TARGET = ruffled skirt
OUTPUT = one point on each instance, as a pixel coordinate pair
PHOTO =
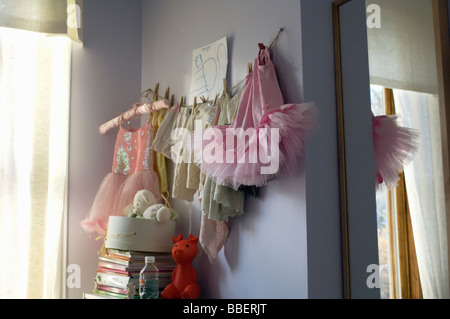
(115, 192)
(251, 157)
(394, 147)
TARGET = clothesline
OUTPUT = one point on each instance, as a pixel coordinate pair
(160, 102)
(249, 69)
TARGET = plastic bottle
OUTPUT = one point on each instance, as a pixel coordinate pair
(149, 280)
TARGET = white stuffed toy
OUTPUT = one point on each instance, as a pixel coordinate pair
(145, 206)
(142, 200)
(158, 212)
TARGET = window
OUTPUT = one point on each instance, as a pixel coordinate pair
(411, 217)
(34, 118)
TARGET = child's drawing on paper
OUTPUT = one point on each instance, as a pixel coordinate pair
(209, 68)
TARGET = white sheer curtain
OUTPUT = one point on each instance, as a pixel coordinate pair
(424, 185)
(34, 117)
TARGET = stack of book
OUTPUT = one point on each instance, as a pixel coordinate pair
(118, 272)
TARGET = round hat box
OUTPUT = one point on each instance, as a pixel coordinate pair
(139, 234)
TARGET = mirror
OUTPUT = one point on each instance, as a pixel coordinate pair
(371, 52)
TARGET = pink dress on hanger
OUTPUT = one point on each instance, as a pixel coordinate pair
(269, 136)
(132, 170)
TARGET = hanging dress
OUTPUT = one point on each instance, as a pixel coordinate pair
(219, 202)
(394, 146)
(187, 176)
(157, 118)
(163, 141)
(266, 138)
(132, 170)
(174, 143)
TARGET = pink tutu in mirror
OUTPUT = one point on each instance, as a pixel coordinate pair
(394, 146)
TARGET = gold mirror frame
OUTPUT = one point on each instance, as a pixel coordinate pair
(442, 40)
(341, 144)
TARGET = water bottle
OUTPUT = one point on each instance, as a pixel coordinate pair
(148, 280)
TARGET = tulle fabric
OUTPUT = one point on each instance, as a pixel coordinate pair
(133, 183)
(394, 146)
(115, 192)
(103, 202)
(132, 170)
(266, 138)
(252, 157)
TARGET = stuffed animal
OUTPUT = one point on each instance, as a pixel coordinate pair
(158, 212)
(142, 200)
(145, 206)
(184, 277)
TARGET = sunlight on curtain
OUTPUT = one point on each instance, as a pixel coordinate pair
(34, 120)
(426, 191)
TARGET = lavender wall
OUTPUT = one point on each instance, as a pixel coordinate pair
(287, 245)
(322, 174)
(265, 256)
(106, 77)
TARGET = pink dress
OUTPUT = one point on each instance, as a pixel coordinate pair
(266, 138)
(132, 170)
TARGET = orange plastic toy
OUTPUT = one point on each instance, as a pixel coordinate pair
(184, 277)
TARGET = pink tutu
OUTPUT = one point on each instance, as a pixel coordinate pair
(394, 147)
(265, 139)
(132, 170)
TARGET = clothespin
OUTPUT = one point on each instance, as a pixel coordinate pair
(195, 104)
(203, 99)
(215, 99)
(249, 67)
(166, 95)
(181, 104)
(225, 85)
(155, 92)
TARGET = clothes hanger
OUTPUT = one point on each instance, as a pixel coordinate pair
(137, 109)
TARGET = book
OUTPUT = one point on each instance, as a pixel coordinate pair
(98, 292)
(123, 262)
(137, 255)
(126, 267)
(118, 271)
(118, 266)
(115, 279)
(115, 290)
(95, 294)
